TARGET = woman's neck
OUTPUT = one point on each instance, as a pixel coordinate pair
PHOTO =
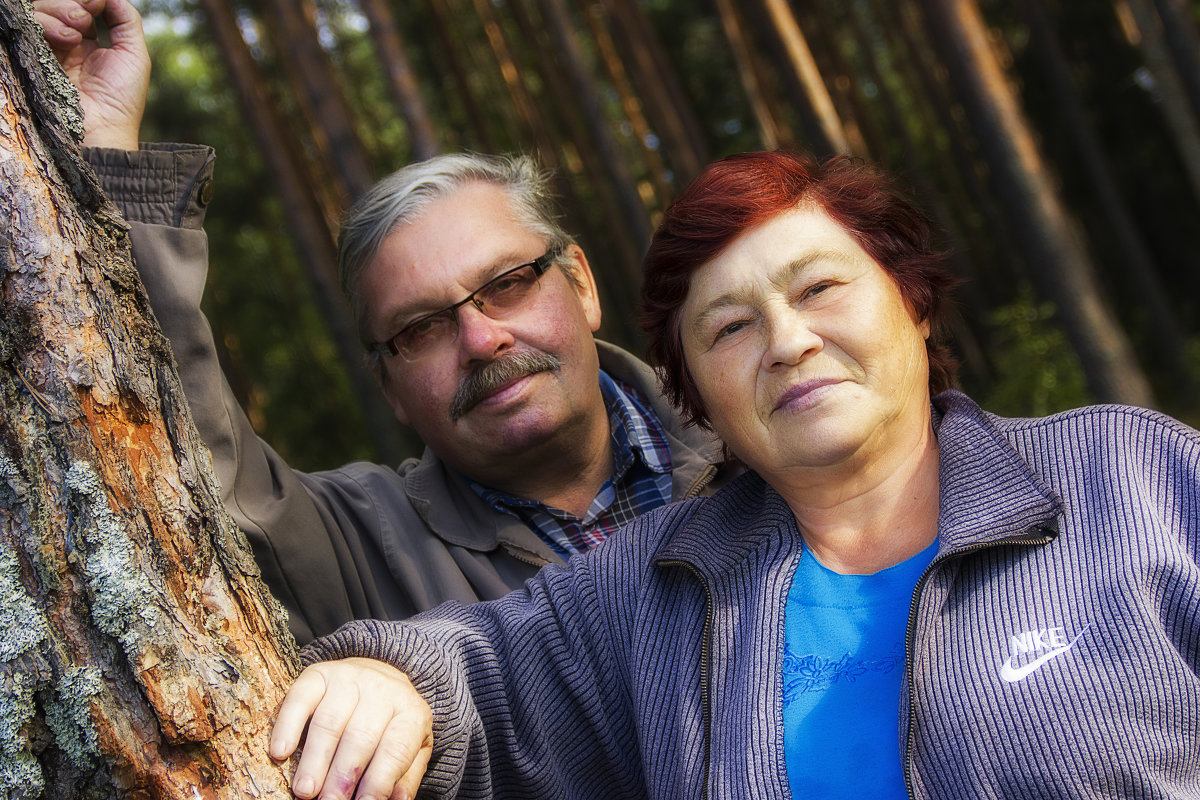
(860, 519)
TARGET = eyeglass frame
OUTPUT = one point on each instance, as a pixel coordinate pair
(540, 266)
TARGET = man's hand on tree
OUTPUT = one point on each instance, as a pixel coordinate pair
(112, 81)
(367, 726)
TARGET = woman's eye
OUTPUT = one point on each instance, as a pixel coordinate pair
(816, 289)
(730, 329)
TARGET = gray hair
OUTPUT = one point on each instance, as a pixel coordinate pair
(403, 195)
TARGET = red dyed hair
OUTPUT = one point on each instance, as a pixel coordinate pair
(735, 194)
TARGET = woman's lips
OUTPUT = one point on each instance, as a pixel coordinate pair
(804, 395)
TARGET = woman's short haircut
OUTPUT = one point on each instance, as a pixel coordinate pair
(735, 194)
(404, 195)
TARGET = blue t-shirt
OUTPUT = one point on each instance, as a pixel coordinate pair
(843, 664)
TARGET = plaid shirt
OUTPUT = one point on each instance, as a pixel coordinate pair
(640, 481)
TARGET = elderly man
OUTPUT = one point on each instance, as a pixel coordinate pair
(479, 312)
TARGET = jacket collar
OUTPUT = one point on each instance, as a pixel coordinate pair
(988, 493)
(456, 514)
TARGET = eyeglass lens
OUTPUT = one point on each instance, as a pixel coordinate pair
(502, 294)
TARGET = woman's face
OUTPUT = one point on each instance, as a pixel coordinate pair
(803, 350)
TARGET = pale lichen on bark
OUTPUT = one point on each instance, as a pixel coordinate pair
(121, 595)
(69, 715)
(23, 630)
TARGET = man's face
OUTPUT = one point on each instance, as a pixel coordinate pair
(458, 243)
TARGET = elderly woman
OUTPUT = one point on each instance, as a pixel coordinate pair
(904, 596)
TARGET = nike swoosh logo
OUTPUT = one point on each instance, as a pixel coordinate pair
(1013, 674)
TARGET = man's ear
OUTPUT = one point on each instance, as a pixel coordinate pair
(584, 284)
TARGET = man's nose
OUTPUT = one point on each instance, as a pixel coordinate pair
(479, 336)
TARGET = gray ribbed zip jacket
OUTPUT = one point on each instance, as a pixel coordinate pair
(1054, 642)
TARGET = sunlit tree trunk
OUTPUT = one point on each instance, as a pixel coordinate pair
(1059, 263)
(630, 103)
(769, 127)
(292, 28)
(309, 225)
(614, 164)
(1139, 274)
(666, 104)
(805, 69)
(401, 80)
(140, 656)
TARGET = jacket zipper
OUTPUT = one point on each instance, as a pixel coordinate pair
(910, 635)
(703, 480)
(705, 659)
(524, 556)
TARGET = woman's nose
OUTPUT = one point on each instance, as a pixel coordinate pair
(790, 339)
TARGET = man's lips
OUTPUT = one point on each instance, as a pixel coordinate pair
(804, 395)
(497, 391)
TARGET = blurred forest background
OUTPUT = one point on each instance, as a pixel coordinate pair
(1057, 144)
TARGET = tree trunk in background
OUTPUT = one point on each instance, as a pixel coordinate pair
(1184, 43)
(631, 104)
(612, 162)
(805, 70)
(896, 130)
(770, 131)
(309, 227)
(666, 103)
(292, 27)
(461, 88)
(1140, 275)
(992, 242)
(1172, 94)
(142, 657)
(1058, 261)
(401, 80)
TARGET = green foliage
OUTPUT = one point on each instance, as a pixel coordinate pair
(1037, 373)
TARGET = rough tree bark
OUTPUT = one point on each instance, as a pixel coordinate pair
(140, 656)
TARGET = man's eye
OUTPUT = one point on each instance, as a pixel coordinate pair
(422, 329)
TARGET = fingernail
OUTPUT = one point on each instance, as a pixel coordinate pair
(305, 786)
(78, 13)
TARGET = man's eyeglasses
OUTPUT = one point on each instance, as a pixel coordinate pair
(497, 298)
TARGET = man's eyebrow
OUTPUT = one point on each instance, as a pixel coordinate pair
(779, 280)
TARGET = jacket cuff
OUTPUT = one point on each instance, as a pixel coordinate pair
(161, 184)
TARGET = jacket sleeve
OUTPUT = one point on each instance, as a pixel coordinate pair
(163, 192)
(530, 693)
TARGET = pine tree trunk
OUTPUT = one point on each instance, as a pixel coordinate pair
(141, 656)
(1059, 263)
(311, 227)
(401, 79)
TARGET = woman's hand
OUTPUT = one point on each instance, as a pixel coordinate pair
(112, 81)
(367, 726)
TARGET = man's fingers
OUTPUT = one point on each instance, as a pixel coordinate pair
(65, 21)
(124, 24)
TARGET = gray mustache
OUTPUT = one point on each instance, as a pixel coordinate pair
(484, 380)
